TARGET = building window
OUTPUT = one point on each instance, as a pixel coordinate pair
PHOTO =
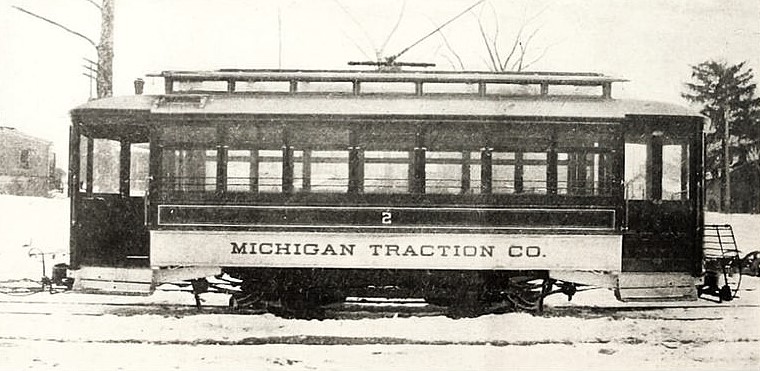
(24, 159)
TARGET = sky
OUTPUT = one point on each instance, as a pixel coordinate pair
(652, 43)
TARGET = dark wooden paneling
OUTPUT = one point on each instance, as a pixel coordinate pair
(661, 237)
(109, 231)
(254, 216)
(657, 253)
(660, 217)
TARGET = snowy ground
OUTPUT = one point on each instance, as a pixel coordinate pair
(64, 334)
(75, 331)
(36, 224)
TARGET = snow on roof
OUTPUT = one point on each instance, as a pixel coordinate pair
(371, 93)
(382, 105)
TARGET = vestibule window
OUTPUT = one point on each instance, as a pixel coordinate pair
(138, 169)
(656, 167)
(106, 154)
(675, 172)
(85, 162)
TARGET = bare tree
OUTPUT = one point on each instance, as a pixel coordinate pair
(104, 49)
(460, 63)
(379, 52)
(391, 63)
(514, 55)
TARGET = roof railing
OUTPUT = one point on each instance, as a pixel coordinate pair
(376, 82)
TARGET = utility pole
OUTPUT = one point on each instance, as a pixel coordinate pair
(105, 51)
(104, 73)
(726, 183)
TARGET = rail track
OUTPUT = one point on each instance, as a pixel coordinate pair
(353, 308)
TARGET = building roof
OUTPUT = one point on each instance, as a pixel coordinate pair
(13, 132)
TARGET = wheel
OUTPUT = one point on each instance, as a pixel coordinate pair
(234, 304)
(440, 301)
(298, 305)
(751, 264)
(726, 294)
(240, 301)
(527, 301)
(463, 301)
(527, 294)
(467, 308)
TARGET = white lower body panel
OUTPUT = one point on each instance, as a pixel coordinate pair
(386, 250)
(109, 280)
(656, 286)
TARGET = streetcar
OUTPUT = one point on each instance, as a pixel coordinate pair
(467, 189)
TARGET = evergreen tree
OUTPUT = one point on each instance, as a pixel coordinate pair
(727, 95)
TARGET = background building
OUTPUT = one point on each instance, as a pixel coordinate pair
(745, 189)
(27, 164)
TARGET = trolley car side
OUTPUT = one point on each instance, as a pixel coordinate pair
(446, 188)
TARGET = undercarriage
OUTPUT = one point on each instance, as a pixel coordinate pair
(304, 292)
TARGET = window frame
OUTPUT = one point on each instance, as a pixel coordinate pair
(655, 136)
(481, 140)
(25, 159)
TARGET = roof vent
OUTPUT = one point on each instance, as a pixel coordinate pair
(139, 85)
(168, 101)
